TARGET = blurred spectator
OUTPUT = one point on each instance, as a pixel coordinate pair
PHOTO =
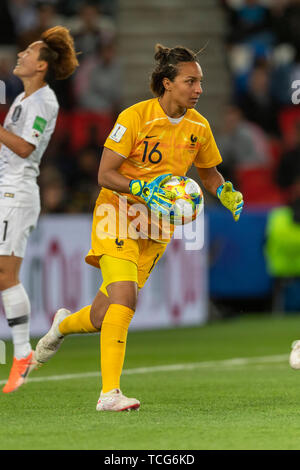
(257, 102)
(64, 91)
(250, 40)
(295, 202)
(53, 191)
(109, 7)
(52, 197)
(74, 176)
(72, 7)
(24, 15)
(285, 63)
(93, 142)
(97, 83)
(46, 18)
(286, 22)
(60, 155)
(241, 144)
(288, 169)
(282, 252)
(85, 187)
(7, 30)
(251, 23)
(92, 27)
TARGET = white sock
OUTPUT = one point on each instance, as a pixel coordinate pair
(17, 310)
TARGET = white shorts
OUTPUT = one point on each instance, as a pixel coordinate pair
(16, 223)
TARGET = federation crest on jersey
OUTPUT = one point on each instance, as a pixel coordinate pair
(193, 140)
(17, 113)
(36, 134)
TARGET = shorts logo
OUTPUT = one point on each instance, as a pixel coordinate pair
(154, 261)
(16, 113)
(119, 243)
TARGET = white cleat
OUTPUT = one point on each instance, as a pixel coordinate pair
(50, 343)
(116, 401)
(295, 355)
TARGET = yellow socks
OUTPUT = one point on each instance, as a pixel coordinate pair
(113, 344)
(113, 339)
(78, 322)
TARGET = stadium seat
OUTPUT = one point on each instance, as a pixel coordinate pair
(83, 127)
(257, 186)
(85, 123)
(287, 119)
(275, 147)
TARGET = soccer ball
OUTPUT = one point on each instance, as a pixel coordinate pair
(188, 200)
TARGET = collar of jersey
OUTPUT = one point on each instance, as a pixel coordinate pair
(22, 98)
(173, 121)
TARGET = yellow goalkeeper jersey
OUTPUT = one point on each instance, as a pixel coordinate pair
(152, 144)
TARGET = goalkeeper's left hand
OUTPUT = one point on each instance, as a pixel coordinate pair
(231, 199)
(156, 198)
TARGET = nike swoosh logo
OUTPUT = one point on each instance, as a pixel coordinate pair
(150, 136)
(121, 341)
(24, 375)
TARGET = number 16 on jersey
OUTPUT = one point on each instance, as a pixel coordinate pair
(154, 155)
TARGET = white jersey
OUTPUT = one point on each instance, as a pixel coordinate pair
(32, 118)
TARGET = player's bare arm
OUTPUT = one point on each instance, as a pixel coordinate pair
(108, 175)
(211, 179)
(15, 143)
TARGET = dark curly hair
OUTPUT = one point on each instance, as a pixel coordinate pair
(167, 67)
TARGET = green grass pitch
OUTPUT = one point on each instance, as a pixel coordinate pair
(201, 400)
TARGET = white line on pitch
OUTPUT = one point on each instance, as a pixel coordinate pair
(238, 361)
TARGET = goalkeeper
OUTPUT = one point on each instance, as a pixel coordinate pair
(151, 141)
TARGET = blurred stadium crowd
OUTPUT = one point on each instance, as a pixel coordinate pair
(260, 138)
(260, 141)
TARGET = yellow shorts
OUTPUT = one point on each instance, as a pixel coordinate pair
(145, 253)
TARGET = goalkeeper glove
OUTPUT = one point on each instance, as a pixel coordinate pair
(231, 199)
(156, 198)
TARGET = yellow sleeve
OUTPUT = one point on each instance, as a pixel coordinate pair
(123, 136)
(208, 155)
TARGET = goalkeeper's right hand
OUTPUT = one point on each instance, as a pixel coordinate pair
(156, 198)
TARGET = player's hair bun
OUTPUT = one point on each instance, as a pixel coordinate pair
(162, 53)
(59, 52)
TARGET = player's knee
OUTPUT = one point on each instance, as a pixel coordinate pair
(98, 309)
(124, 293)
(129, 301)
